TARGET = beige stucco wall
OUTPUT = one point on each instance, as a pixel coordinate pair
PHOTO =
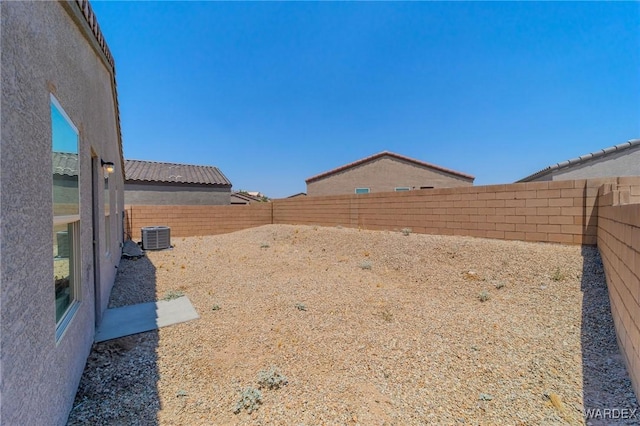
(384, 175)
(175, 194)
(44, 51)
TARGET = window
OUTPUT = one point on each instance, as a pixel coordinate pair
(66, 216)
(402, 188)
(426, 187)
(362, 190)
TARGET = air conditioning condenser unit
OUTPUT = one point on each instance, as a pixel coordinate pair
(156, 237)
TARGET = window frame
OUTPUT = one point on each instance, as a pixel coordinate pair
(402, 188)
(368, 190)
(73, 228)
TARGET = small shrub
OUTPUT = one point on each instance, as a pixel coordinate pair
(301, 307)
(271, 379)
(339, 226)
(215, 307)
(387, 315)
(365, 264)
(264, 245)
(454, 251)
(173, 294)
(406, 231)
(556, 401)
(557, 275)
(181, 393)
(471, 276)
(500, 284)
(483, 296)
(250, 399)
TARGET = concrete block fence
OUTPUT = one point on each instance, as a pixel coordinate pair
(560, 212)
(188, 221)
(619, 246)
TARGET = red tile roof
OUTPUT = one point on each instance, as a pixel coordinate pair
(151, 171)
(392, 155)
(92, 21)
(65, 163)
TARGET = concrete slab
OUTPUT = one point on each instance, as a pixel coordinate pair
(133, 319)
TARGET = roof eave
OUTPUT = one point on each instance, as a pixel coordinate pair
(82, 12)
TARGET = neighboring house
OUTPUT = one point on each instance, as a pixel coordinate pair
(299, 194)
(61, 192)
(385, 172)
(154, 183)
(242, 198)
(619, 160)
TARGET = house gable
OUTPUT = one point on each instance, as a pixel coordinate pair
(390, 155)
(385, 172)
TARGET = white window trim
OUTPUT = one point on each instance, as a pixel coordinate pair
(62, 325)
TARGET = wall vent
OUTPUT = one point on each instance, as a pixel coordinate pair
(156, 237)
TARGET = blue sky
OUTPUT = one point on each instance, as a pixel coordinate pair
(64, 138)
(273, 93)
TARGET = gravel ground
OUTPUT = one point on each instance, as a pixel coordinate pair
(371, 328)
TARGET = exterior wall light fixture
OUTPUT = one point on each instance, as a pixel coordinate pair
(108, 166)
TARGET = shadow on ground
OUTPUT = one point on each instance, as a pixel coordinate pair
(119, 385)
(606, 383)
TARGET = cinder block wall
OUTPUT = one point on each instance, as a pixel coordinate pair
(557, 211)
(619, 245)
(187, 221)
(561, 211)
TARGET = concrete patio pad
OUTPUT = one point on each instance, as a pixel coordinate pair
(133, 319)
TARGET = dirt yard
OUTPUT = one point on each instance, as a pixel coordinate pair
(370, 328)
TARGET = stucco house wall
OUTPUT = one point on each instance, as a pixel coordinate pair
(49, 49)
(143, 193)
(384, 174)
